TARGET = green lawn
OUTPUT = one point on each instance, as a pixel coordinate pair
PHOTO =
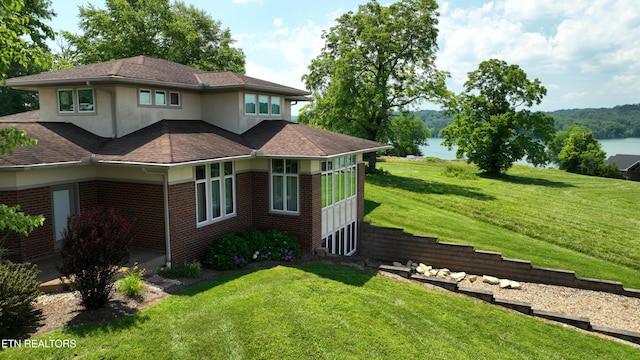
(322, 311)
(554, 219)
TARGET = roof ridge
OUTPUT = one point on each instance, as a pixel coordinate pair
(115, 68)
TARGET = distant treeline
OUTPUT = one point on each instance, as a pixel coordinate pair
(606, 123)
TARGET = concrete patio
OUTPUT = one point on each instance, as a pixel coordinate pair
(50, 277)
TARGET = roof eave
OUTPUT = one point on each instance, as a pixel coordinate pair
(111, 79)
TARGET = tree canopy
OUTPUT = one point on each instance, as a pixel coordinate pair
(576, 150)
(23, 34)
(158, 28)
(492, 125)
(375, 64)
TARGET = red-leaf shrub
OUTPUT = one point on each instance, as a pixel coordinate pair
(95, 244)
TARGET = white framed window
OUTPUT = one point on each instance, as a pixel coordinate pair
(144, 97)
(262, 105)
(65, 101)
(215, 192)
(339, 179)
(275, 105)
(174, 98)
(72, 101)
(263, 101)
(250, 104)
(86, 100)
(160, 98)
(285, 193)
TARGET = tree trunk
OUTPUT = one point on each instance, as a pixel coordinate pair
(372, 160)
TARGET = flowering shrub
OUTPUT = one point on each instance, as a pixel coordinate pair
(236, 250)
(131, 284)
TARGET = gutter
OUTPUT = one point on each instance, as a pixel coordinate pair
(167, 227)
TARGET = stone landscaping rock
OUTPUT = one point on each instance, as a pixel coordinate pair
(504, 283)
(458, 276)
(515, 285)
(422, 268)
(490, 280)
(509, 284)
(432, 272)
(395, 263)
(473, 278)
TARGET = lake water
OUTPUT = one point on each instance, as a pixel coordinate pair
(610, 146)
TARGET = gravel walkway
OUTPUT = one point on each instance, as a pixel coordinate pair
(601, 308)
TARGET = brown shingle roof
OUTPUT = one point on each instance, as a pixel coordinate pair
(145, 69)
(177, 142)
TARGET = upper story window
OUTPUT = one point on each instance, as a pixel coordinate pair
(284, 186)
(262, 105)
(215, 192)
(159, 98)
(83, 97)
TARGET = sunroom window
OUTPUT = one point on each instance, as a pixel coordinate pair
(85, 100)
(65, 100)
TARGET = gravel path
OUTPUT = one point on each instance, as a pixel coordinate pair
(601, 308)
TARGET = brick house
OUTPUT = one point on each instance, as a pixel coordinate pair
(188, 155)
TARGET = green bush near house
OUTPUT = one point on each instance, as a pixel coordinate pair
(18, 290)
(131, 284)
(237, 250)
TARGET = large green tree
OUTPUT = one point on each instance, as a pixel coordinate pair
(13, 101)
(407, 133)
(375, 64)
(493, 126)
(23, 34)
(158, 28)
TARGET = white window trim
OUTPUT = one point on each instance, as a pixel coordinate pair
(140, 98)
(209, 219)
(346, 164)
(285, 175)
(179, 104)
(257, 102)
(76, 101)
(167, 98)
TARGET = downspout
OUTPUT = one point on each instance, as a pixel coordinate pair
(167, 228)
(114, 123)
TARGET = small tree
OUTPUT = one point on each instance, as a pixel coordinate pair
(95, 244)
(18, 289)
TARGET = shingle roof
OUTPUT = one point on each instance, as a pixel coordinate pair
(171, 142)
(624, 161)
(145, 69)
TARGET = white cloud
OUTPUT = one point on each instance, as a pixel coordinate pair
(277, 22)
(599, 39)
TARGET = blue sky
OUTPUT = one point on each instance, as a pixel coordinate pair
(586, 53)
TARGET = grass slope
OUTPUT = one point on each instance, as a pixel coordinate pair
(552, 218)
(324, 312)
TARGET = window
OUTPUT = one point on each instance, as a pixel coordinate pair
(249, 104)
(144, 97)
(339, 180)
(65, 100)
(68, 98)
(215, 192)
(284, 185)
(174, 98)
(85, 100)
(161, 98)
(264, 104)
(275, 105)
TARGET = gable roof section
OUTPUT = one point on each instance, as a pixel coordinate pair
(625, 162)
(148, 70)
(176, 142)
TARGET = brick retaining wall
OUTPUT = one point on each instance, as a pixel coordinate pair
(389, 244)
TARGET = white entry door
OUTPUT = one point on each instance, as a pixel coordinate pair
(64, 204)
